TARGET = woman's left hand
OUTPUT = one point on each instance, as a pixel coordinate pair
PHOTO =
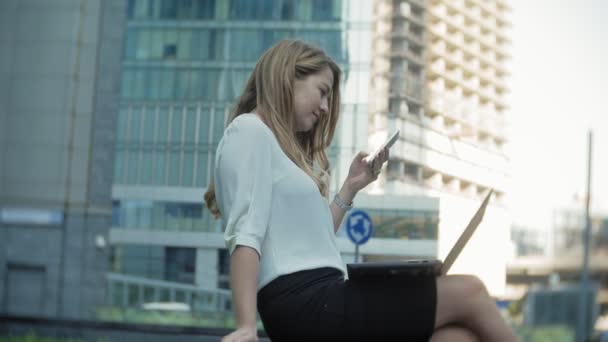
(360, 174)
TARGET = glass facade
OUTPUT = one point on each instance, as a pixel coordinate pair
(205, 50)
(144, 261)
(184, 65)
(403, 224)
(162, 216)
(167, 144)
(185, 62)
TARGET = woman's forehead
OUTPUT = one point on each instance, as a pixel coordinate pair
(326, 76)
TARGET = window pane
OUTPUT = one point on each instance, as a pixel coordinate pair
(203, 135)
(163, 125)
(330, 41)
(154, 9)
(130, 213)
(190, 125)
(184, 44)
(210, 85)
(174, 167)
(197, 220)
(161, 147)
(180, 264)
(146, 167)
(158, 216)
(144, 214)
(198, 49)
(188, 168)
(245, 45)
(205, 9)
(153, 85)
(168, 9)
(132, 166)
(159, 167)
(172, 214)
(131, 43)
(201, 170)
(326, 10)
(143, 44)
(273, 36)
(217, 45)
(241, 9)
(287, 9)
(303, 10)
(156, 44)
(127, 84)
(119, 166)
(134, 125)
(182, 84)
(218, 122)
(130, 9)
(238, 78)
(139, 84)
(176, 125)
(121, 134)
(166, 84)
(140, 8)
(195, 90)
(170, 44)
(149, 117)
(185, 9)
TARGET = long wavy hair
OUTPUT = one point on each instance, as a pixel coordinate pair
(270, 91)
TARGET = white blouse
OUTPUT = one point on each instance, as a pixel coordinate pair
(270, 204)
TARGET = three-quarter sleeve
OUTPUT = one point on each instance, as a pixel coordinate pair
(243, 181)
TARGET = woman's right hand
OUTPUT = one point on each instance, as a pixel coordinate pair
(243, 334)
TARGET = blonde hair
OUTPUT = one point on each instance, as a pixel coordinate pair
(270, 91)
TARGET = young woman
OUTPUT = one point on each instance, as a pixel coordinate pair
(271, 188)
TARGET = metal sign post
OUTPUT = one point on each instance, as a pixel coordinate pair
(583, 308)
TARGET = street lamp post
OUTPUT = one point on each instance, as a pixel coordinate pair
(583, 310)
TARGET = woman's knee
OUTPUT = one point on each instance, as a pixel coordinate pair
(462, 287)
(473, 287)
(459, 297)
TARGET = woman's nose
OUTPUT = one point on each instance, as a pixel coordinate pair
(324, 105)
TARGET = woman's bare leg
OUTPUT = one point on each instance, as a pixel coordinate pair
(464, 300)
(453, 333)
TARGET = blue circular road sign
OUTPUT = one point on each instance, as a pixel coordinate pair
(359, 227)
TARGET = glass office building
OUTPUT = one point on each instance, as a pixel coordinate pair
(185, 63)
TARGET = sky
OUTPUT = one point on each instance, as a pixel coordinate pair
(559, 68)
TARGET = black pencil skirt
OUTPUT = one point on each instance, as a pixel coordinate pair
(320, 305)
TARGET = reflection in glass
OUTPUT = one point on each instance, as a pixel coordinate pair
(158, 215)
(400, 224)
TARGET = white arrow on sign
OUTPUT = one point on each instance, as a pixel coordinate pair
(359, 234)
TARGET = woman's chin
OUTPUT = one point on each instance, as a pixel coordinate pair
(307, 127)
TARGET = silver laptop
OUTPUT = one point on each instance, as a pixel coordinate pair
(419, 267)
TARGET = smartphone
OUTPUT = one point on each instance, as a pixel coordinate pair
(387, 144)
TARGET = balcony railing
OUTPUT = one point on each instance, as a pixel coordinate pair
(132, 291)
(407, 53)
(467, 113)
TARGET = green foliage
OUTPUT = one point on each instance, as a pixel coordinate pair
(31, 337)
(554, 333)
(513, 314)
(133, 315)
